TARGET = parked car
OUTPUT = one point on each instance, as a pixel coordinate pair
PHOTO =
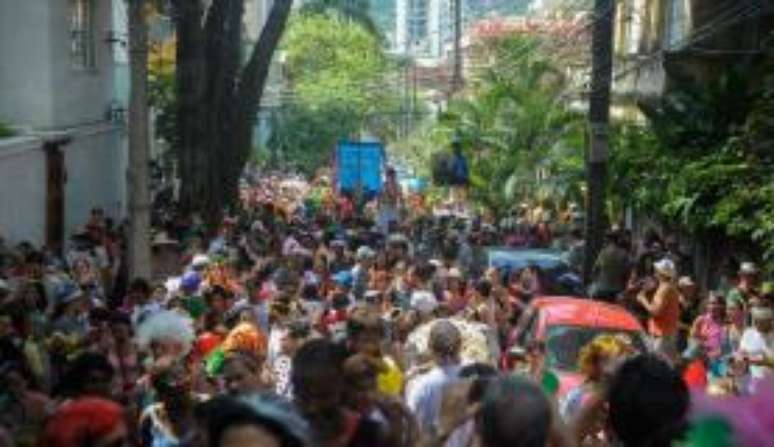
(555, 275)
(566, 324)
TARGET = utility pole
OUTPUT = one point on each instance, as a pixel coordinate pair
(599, 118)
(406, 101)
(457, 75)
(414, 87)
(139, 141)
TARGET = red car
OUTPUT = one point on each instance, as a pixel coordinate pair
(567, 324)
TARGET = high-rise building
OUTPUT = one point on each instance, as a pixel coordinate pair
(424, 28)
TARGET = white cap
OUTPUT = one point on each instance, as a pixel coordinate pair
(665, 267)
(200, 261)
(685, 281)
(162, 238)
(748, 268)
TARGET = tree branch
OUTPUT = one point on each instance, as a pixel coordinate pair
(255, 73)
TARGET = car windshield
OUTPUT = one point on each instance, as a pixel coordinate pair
(563, 343)
(556, 278)
(553, 282)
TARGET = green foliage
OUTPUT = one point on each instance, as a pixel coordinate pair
(334, 60)
(336, 70)
(305, 137)
(6, 131)
(163, 97)
(694, 116)
(637, 172)
(351, 11)
(705, 161)
(420, 147)
(515, 125)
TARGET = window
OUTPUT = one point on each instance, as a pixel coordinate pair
(564, 343)
(417, 20)
(82, 48)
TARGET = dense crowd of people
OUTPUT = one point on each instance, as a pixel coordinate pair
(312, 318)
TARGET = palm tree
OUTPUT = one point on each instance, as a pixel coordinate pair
(512, 122)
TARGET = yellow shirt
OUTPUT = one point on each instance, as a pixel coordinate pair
(390, 381)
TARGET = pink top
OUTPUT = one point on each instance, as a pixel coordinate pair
(711, 335)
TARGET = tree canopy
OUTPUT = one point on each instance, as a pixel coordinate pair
(337, 71)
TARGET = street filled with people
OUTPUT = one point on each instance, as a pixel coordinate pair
(313, 317)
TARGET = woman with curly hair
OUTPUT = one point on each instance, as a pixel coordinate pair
(594, 363)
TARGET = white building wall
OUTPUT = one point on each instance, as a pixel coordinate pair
(90, 181)
(22, 190)
(81, 97)
(92, 175)
(438, 32)
(434, 27)
(41, 91)
(401, 26)
(256, 15)
(25, 78)
(38, 84)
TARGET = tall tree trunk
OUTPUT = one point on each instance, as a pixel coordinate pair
(224, 58)
(190, 82)
(251, 87)
(139, 192)
(218, 103)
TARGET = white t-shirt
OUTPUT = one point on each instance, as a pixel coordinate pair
(423, 301)
(276, 334)
(424, 395)
(101, 257)
(289, 246)
(756, 344)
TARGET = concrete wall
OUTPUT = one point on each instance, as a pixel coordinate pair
(40, 91)
(93, 177)
(401, 26)
(92, 180)
(25, 77)
(39, 88)
(256, 15)
(22, 189)
(80, 97)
